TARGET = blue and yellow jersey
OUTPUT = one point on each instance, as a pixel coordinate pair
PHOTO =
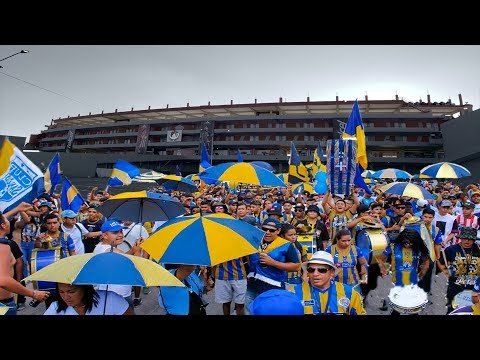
(286, 218)
(82, 216)
(280, 250)
(295, 277)
(263, 216)
(404, 264)
(231, 270)
(338, 222)
(337, 299)
(29, 232)
(347, 273)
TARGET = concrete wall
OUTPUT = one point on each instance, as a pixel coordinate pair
(462, 143)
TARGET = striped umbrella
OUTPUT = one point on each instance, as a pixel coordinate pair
(264, 165)
(368, 174)
(407, 189)
(179, 183)
(391, 173)
(203, 240)
(283, 177)
(420, 176)
(242, 172)
(445, 170)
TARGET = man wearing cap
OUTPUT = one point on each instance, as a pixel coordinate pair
(76, 231)
(421, 204)
(44, 208)
(313, 224)
(276, 212)
(94, 225)
(467, 218)
(461, 264)
(112, 236)
(321, 295)
(269, 267)
(299, 210)
(446, 222)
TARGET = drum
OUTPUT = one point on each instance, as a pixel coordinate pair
(462, 299)
(40, 259)
(341, 165)
(409, 299)
(372, 242)
(308, 241)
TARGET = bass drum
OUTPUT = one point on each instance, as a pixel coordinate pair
(372, 242)
(308, 241)
(40, 259)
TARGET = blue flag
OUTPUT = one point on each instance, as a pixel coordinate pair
(355, 129)
(177, 171)
(204, 159)
(239, 154)
(122, 174)
(297, 172)
(52, 175)
(20, 179)
(71, 198)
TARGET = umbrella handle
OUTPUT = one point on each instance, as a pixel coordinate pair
(105, 303)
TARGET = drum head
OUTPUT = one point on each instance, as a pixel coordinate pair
(462, 299)
(409, 299)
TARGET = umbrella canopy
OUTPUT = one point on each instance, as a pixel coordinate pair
(367, 173)
(283, 177)
(109, 268)
(407, 189)
(192, 177)
(301, 187)
(141, 206)
(420, 176)
(203, 240)
(179, 183)
(391, 173)
(264, 165)
(242, 172)
(445, 170)
(149, 175)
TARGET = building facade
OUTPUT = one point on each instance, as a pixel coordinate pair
(399, 134)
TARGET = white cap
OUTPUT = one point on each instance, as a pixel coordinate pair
(422, 203)
(322, 257)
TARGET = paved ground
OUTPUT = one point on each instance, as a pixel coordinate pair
(150, 304)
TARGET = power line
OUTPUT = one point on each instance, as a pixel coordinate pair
(53, 92)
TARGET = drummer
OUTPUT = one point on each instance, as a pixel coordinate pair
(321, 295)
(408, 258)
(461, 264)
(313, 224)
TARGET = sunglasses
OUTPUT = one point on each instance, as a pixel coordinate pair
(401, 207)
(269, 230)
(299, 210)
(311, 270)
(406, 242)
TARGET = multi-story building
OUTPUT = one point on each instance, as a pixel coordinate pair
(399, 134)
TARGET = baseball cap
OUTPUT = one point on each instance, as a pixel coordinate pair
(69, 214)
(321, 257)
(275, 210)
(272, 222)
(422, 203)
(445, 203)
(112, 225)
(277, 302)
(468, 204)
(46, 203)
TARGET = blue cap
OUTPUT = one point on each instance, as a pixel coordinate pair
(270, 221)
(69, 214)
(112, 225)
(276, 302)
(192, 204)
(46, 203)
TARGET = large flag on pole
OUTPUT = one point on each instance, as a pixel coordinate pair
(204, 159)
(355, 130)
(71, 198)
(52, 175)
(123, 173)
(239, 156)
(20, 179)
(297, 172)
(317, 161)
(177, 171)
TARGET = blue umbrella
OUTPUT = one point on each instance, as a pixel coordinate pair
(445, 170)
(407, 189)
(264, 165)
(179, 183)
(390, 173)
(243, 172)
(141, 206)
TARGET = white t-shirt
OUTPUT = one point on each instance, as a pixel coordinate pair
(444, 223)
(116, 305)
(76, 236)
(133, 232)
(123, 290)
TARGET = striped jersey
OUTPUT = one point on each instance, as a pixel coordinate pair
(347, 263)
(337, 299)
(29, 232)
(338, 222)
(231, 270)
(295, 277)
(404, 264)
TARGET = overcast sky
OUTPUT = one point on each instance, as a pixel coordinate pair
(96, 78)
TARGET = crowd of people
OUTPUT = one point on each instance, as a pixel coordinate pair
(311, 251)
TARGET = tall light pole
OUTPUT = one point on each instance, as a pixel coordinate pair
(20, 52)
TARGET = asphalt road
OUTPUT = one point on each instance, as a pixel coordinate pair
(150, 305)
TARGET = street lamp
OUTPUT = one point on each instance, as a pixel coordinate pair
(20, 52)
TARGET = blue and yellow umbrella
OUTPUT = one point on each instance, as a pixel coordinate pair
(283, 177)
(407, 189)
(141, 206)
(242, 172)
(445, 170)
(179, 183)
(390, 173)
(109, 268)
(203, 240)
